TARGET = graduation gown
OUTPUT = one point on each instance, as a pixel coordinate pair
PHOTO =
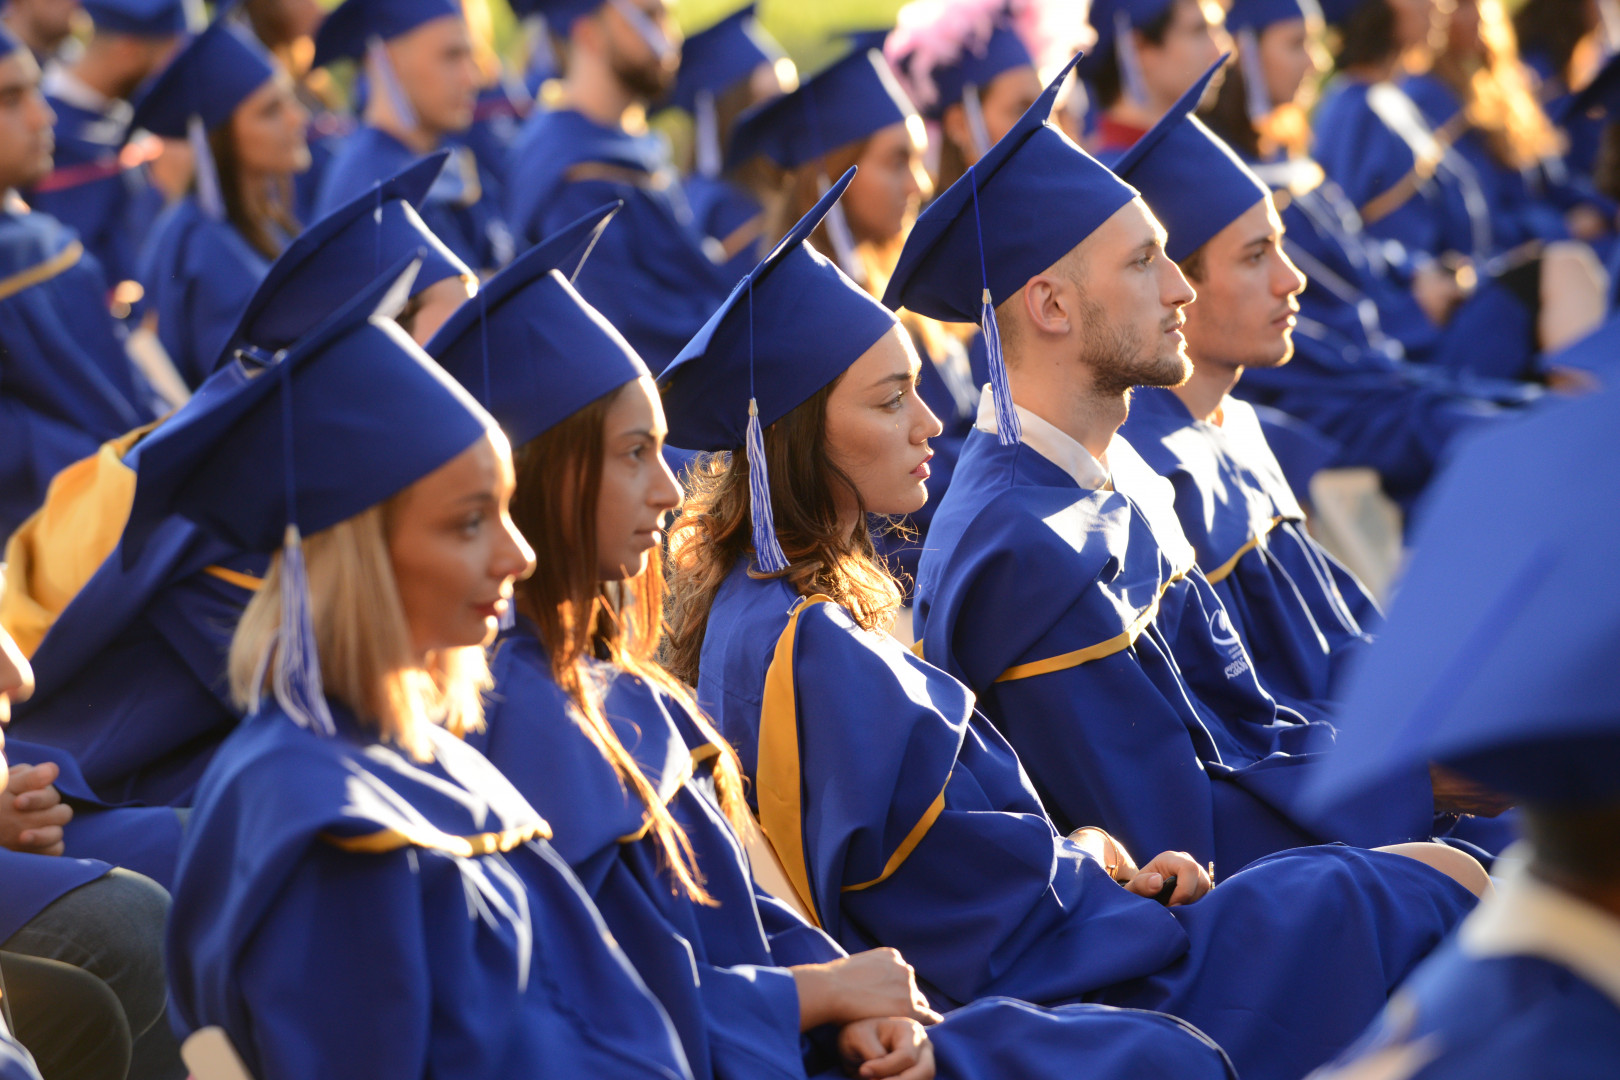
(721, 971)
(1302, 616)
(16, 1063)
(343, 911)
(462, 209)
(1527, 988)
(654, 275)
(199, 275)
(1108, 661)
(66, 384)
(903, 819)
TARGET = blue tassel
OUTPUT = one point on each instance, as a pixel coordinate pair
(297, 678)
(767, 551)
(209, 198)
(1130, 64)
(1008, 430)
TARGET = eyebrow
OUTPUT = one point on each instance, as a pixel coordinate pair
(1269, 238)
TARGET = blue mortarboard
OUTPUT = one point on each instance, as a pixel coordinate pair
(1256, 15)
(559, 14)
(137, 18)
(1113, 20)
(1338, 12)
(343, 253)
(1498, 657)
(1603, 92)
(996, 48)
(529, 346)
(725, 53)
(344, 34)
(843, 104)
(1191, 180)
(207, 79)
(343, 447)
(791, 326)
(1017, 210)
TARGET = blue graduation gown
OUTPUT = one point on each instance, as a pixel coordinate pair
(651, 274)
(463, 209)
(15, 1062)
(110, 204)
(1526, 998)
(343, 911)
(904, 819)
(730, 214)
(130, 679)
(1104, 656)
(1301, 614)
(66, 384)
(32, 882)
(199, 275)
(721, 971)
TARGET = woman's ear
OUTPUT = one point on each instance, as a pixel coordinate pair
(954, 124)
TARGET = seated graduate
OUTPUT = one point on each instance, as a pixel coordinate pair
(727, 68)
(422, 85)
(1411, 185)
(1300, 614)
(361, 893)
(66, 384)
(80, 942)
(653, 831)
(656, 276)
(210, 250)
(1370, 368)
(96, 187)
(132, 671)
(901, 816)
(1496, 661)
(1058, 583)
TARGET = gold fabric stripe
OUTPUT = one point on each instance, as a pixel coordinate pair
(1118, 643)
(235, 577)
(386, 840)
(909, 844)
(778, 769)
(1221, 571)
(23, 279)
(704, 753)
(917, 649)
(686, 774)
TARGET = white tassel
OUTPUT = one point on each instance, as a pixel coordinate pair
(1256, 98)
(1008, 429)
(843, 241)
(767, 551)
(208, 193)
(387, 84)
(297, 676)
(977, 129)
(706, 135)
(1130, 65)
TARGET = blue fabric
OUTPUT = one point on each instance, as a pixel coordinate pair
(208, 78)
(1170, 743)
(462, 208)
(111, 207)
(15, 1062)
(1302, 616)
(139, 18)
(199, 275)
(321, 962)
(717, 56)
(343, 34)
(720, 971)
(993, 901)
(1510, 1017)
(34, 881)
(841, 105)
(66, 385)
(975, 67)
(722, 210)
(652, 275)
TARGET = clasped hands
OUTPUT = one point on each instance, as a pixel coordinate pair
(1192, 880)
(873, 996)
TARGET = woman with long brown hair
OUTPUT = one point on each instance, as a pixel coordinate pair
(900, 814)
(209, 251)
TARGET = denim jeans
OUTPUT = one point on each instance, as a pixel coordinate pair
(113, 928)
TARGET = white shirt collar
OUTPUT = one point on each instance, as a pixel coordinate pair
(1052, 444)
(1528, 917)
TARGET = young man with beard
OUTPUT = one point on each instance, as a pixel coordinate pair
(654, 275)
(422, 84)
(1058, 583)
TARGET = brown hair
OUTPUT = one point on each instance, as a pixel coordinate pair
(1555, 28)
(256, 226)
(1367, 37)
(1495, 93)
(1285, 127)
(559, 475)
(715, 531)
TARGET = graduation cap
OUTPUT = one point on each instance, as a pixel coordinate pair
(1338, 12)
(1114, 20)
(1498, 656)
(197, 92)
(947, 52)
(1017, 210)
(342, 447)
(844, 103)
(791, 326)
(346, 33)
(712, 60)
(1256, 15)
(1191, 180)
(529, 347)
(138, 18)
(559, 14)
(1602, 93)
(342, 253)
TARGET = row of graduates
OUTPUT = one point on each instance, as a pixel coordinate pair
(863, 856)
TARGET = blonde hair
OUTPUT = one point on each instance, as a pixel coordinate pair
(1497, 95)
(362, 640)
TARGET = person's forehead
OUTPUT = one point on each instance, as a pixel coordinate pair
(18, 68)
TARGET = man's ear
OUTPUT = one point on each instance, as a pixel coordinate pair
(1048, 304)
